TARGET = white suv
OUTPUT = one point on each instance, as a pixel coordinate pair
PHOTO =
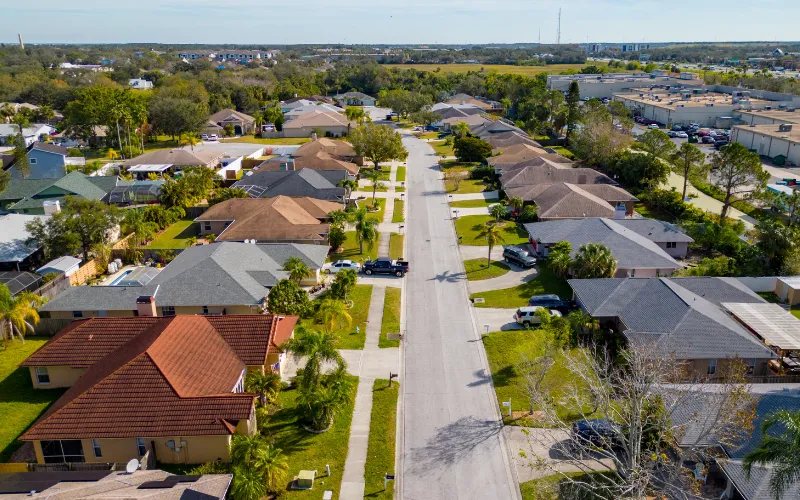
(335, 267)
(527, 316)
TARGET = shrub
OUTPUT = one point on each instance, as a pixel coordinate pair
(482, 173)
(472, 149)
(528, 214)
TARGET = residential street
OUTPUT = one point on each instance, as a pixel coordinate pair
(452, 445)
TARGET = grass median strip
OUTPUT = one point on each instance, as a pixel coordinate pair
(382, 437)
(396, 249)
(397, 215)
(401, 174)
(477, 269)
(391, 317)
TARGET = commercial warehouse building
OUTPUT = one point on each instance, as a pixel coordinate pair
(781, 142)
(606, 85)
(768, 116)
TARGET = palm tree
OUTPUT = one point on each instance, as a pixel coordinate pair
(516, 203)
(265, 384)
(318, 347)
(325, 401)
(297, 269)
(349, 186)
(780, 449)
(497, 211)
(460, 129)
(373, 175)
(560, 263)
(273, 467)
(594, 261)
(188, 139)
(334, 313)
(261, 460)
(18, 314)
(366, 229)
(247, 484)
(354, 114)
(490, 232)
(21, 153)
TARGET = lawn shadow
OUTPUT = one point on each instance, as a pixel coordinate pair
(504, 376)
(190, 231)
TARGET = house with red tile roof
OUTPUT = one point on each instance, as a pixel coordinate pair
(173, 386)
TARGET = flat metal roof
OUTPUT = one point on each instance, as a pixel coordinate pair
(771, 322)
(150, 168)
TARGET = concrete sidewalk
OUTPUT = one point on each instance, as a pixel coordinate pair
(384, 236)
(707, 203)
(486, 195)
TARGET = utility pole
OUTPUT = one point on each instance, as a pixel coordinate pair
(558, 33)
(21, 45)
(540, 36)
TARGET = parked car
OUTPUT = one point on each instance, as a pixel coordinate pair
(707, 139)
(672, 133)
(335, 267)
(442, 135)
(677, 128)
(549, 301)
(518, 256)
(599, 432)
(385, 265)
(213, 137)
(721, 143)
(682, 135)
(527, 316)
(653, 126)
(204, 137)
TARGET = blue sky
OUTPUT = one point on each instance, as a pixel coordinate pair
(397, 21)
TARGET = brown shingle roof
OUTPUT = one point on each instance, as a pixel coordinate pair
(334, 148)
(318, 118)
(324, 161)
(566, 201)
(179, 157)
(519, 153)
(544, 173)
(175, 377)
(273, 219)
(510, 138)
(227, 113)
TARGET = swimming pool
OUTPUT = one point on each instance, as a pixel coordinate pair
(120, 277)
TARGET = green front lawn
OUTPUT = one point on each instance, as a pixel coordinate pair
(278, 141)
(177, 235)
(401, 174)
(397, 215)
(556, 486)
(564, 152)
(350, 250)
(306, 451)
(649, 212)
(505, 350)
(442, 149)
(391, 317)
(381, 202)
(466, 186)
(427, 135)
(473, 203)
(348, 338)
(512, 298)
(478, 270)
(382, 437)
(468, 228)
(396, 245)
(20, 403)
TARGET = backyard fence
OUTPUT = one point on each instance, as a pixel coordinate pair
(48, 327)
(85, 273)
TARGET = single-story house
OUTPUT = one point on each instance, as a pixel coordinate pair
(511, 156)
(171, 386)
(354, 99)
(562, 200)
(667, 236)
(509, 138)
(220, 278)
(681, 317)
(301, 110)
(31, 134)
(242, 123)
(66, 265)
(485, 104)
(140, 84)
(47, 161)
(320, 154)
(451, 110)
(636, 255)
(338, 149)
(275, 220)
(16, 253)
(328, 123)
(171, 160)
(319, 184)
(493, 127)
(471, 120)
(38, 196)
(296, 102)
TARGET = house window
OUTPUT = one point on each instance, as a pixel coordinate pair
(32, 161)
(42, 376)
(672, 244)
(712, 366)
(142, 447)
(77, 314)
(207, 226)
(751, 366)
(205, 309)
(98, 453)
(168, 310)
(57, 452)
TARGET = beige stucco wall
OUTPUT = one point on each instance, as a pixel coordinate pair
(679, 252)
(93, 314)
(699, 367)
(337, 131)
(231, 309)
(216, 227)
(643, 273)
(60, 376)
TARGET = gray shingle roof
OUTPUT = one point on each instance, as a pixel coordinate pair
(655, 230)
(220, 274)
(663, 313)
(13, 237)
(320, 184)
(631, 250)
(756, 487)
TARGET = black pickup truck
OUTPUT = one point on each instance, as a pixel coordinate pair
(385, 265)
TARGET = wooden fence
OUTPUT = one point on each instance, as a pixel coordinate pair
(50, 326)
(85, 273)
(50, 290)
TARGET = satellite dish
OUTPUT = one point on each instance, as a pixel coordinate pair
(132, 466)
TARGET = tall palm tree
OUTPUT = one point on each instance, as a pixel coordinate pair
(334, 313)
(373, 175)
(354, 114)
(460, 129)
(781, 449)
(297, 269)
(265, 384)
(318, 347)
(366, 229)
(18, 314)
(188, 139)
(492, 234)
(594, 261)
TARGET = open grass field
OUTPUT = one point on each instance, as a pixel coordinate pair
(176, 235)
(396, 245)
(391, 317)
(505, 350)
(530, 71)
(306, 451)
(20, 403)
(470, 226)
(382, 437)
(477, 269)
(511, 298)
(350, 250)
(348, 338)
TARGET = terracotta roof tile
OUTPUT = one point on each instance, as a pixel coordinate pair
(283, 332)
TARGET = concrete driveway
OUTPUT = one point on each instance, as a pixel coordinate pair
(497, 319)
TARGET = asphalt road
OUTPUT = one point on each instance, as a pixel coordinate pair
(452, 444)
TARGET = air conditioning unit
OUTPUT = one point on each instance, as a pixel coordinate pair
(785, 127)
